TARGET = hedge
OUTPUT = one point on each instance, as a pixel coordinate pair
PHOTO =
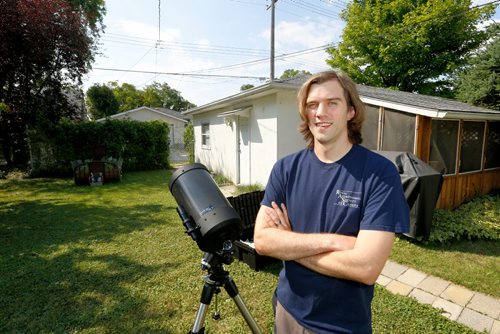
(141, 145)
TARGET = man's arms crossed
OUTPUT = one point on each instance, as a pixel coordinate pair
(359, 259)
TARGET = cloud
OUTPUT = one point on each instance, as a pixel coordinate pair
(143, 30)
(304, 34)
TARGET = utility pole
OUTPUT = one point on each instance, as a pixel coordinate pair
(159, 37)
(271, 71)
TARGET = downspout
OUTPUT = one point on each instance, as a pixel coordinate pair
(237, 136)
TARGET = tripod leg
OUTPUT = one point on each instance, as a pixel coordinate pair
(232, 291)
(206, 297)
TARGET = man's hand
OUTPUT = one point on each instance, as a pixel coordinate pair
(277, 217)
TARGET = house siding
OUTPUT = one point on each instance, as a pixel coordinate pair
(220, 156)
(264, 139)
(289, 138)
(265, 145)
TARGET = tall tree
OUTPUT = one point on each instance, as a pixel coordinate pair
(45, 46)
(479, 84)
(409, 45)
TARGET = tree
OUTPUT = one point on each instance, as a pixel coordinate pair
(162, 95)
(291, 73)
(479, 84)
(46, 46)
(128, 96)
(287, 74)
(101, 101)
(246, 87)
(409, 45)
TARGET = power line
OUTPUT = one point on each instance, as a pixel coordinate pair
(228, 67)
(313, 8)
(183, 74)
(263, 60)
(139, 41)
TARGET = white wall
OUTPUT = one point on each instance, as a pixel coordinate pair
(176, 126)
(270, 139)
(220, 157)
(264, 139)
(289, 138)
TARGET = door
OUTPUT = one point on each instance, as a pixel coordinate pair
(244, 150)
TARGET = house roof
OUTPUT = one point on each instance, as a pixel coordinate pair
(431, 106)
(427, 105)
(241, 99)
(161, 111)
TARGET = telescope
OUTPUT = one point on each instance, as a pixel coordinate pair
(206, 214)
(212, 222)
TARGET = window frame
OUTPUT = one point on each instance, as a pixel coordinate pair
(205, 135)
(488, 126)
(459, 156)
(457, 144)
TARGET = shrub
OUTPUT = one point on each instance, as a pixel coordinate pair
(141, 145)
(242, 189)
(474, 220)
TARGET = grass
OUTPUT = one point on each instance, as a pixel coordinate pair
(116, 259)
(472, 264)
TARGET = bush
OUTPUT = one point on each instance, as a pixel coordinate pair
(242, 189)
(474, 220)
(141, 145)
(189, 141)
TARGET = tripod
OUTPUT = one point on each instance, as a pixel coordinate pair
(216, 278)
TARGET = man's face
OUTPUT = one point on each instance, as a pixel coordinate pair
(328, 113)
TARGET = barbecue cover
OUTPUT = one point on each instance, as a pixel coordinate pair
(421, 184)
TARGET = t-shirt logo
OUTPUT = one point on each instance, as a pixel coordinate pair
(348, 198)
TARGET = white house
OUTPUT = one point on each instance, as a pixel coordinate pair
(175, 120)
(242, 136)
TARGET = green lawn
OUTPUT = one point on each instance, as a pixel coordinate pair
(115, 259)
(472, 264)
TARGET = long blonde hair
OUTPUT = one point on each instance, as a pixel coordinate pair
(351, 96)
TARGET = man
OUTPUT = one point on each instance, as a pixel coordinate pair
(330, 212)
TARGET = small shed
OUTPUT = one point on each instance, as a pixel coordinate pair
(175, 120)
(242, 136)
(457, 139)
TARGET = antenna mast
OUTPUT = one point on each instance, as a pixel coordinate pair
(271, 70)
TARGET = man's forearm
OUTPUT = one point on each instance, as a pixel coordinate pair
(289, 245)
(362, 264)
(273, 237)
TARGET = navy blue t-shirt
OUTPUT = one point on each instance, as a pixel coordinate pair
(361, 191)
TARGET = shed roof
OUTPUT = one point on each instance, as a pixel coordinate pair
(427, 105)
(431, 106)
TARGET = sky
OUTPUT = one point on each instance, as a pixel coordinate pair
(208, 49)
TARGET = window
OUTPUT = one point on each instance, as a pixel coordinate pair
(471, 149)
(370, 127)
(399, 131)
(493, 145)
(205, 135)
(444, 141)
